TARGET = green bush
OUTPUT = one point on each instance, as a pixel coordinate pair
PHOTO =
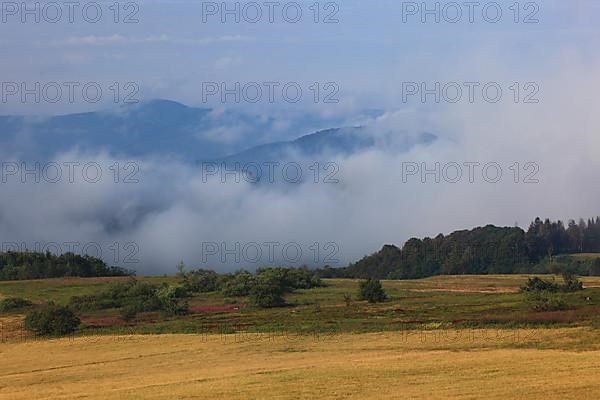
(13, 304)
(545, 301)
(140, 295)
(267, 290)
(128, 313)
(133, 297)
(572, 284)
(51, 320)
(536, 284)
(201, 281)
(294, 278)
(169, 297)
(372, 291)
(238, 284)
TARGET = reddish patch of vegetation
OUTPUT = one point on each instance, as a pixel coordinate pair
(102, 322)
(567, 316)
(148, 317)
(215, 308)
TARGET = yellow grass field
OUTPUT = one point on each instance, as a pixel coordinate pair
(469, 364)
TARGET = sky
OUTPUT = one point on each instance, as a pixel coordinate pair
(170, 48)
(541, 129)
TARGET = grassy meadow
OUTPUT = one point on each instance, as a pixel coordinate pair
(444, 302)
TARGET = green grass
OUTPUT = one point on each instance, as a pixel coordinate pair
(60, 290)
(432, 303)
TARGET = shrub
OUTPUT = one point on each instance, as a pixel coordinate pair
(545, 301)
(169, 297)
(142, 296)
(51, 320)
(128, 313)
(201, 281)
(267, 291)
(294, 278)
(572, 284)
(372, 291)
(134, 295)
(536, 284)
(13, 304)
(240, 284)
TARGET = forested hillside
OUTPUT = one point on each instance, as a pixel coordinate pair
(32, 265)
(485, 250)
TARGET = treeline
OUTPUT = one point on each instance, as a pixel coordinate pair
(484, 250)
(35, 265)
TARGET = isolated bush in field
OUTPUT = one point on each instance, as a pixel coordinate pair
(267, 291)
(371, 290)
(545, 301)
(51, 320)
(13, 304)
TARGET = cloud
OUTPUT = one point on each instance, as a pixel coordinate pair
(226, 62)
(174, 211)
(547, 152)
(118, 39)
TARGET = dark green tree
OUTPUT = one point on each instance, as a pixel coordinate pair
(372, 291)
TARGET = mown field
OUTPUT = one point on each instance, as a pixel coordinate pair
(559, 363)
(438, 338)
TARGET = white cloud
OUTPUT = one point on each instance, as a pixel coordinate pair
(226, 62)
(118, 39)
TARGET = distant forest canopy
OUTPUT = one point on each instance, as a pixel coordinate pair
(485, 250)
(34, 265)
(546, 247)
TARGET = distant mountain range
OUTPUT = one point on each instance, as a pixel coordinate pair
(316, 146)
(162, 127)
